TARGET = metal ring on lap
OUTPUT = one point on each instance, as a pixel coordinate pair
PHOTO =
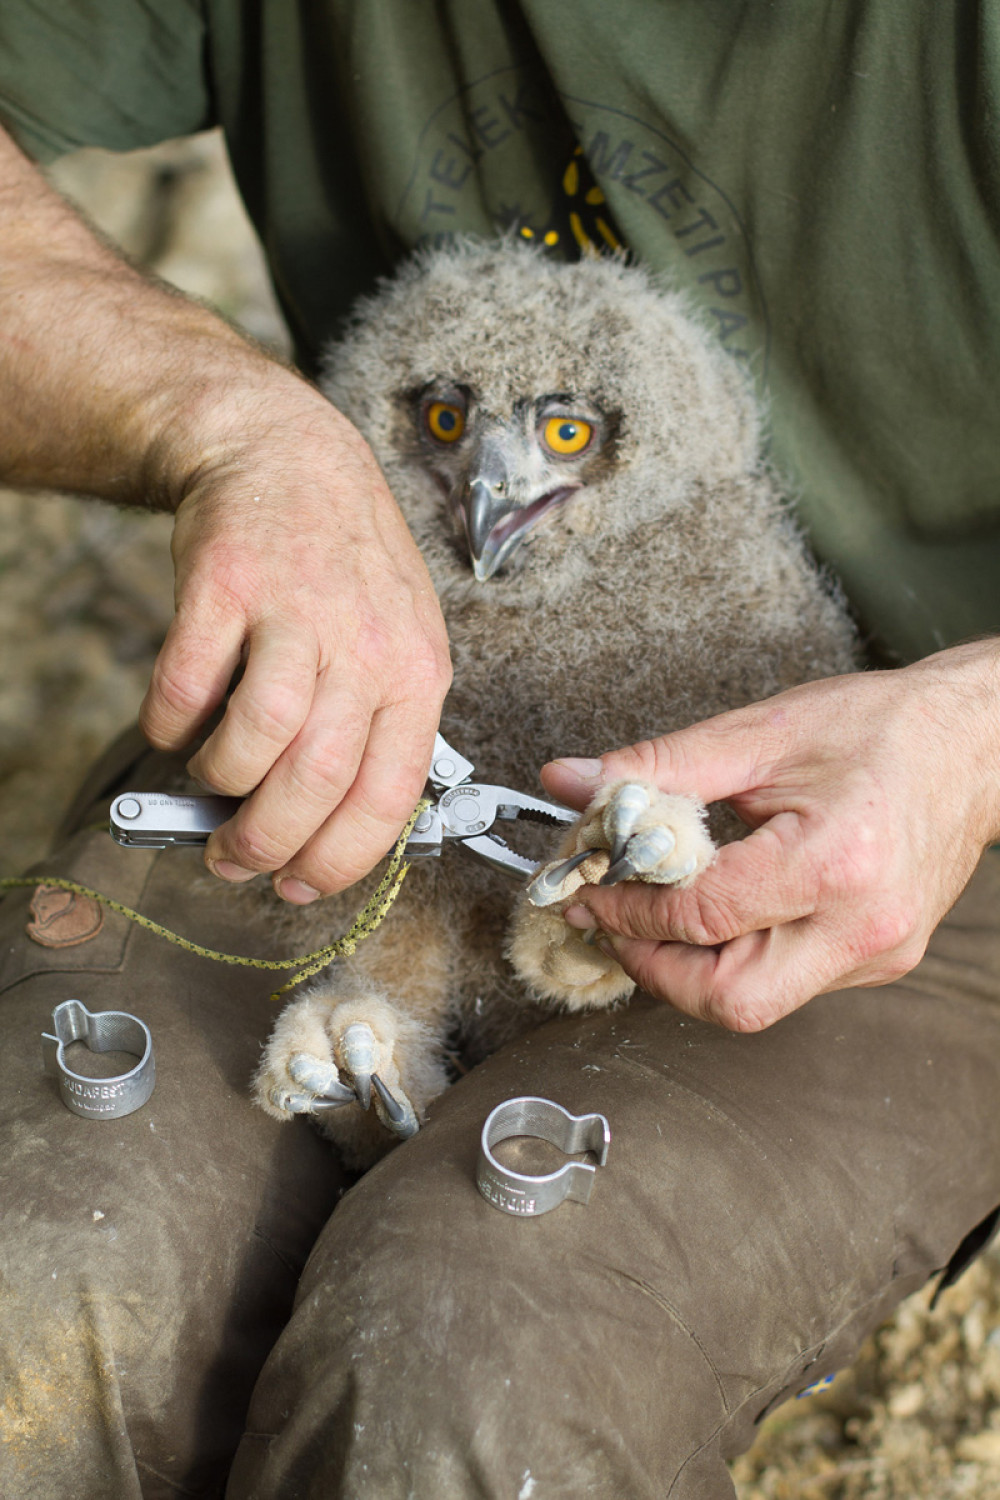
(104, 1031)
(527, 1196)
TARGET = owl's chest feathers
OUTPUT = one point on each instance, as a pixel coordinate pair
(572, 680)
(664, 626)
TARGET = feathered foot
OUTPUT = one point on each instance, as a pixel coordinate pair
(631, 831)
(361, 1067)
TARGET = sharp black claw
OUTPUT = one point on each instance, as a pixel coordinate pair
(643, 853)
(318, 1078)
(390, 1104)
(624, 811)
(323, 1103)
(339, 1093)
(547, 884)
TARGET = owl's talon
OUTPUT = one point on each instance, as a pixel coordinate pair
(391, 1105)
(322, 1105)
(623, 812)
(547, 884)
(356, 1055)
(643, 853)
(622, 869)
(319, 1077)
(397, 1115)
(291, 1103)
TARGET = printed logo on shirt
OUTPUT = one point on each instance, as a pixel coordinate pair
(504, 154)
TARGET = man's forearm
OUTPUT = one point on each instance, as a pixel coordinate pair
(290, 553)
(113, 383)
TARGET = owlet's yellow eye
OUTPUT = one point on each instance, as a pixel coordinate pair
(567, 435)
(445, 422)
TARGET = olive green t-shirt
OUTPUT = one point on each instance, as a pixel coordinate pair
(820, 175)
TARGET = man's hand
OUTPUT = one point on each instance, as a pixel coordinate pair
(290, 552)
(871, 798)
(291, 555)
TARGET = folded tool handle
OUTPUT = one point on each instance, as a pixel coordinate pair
(157, 820)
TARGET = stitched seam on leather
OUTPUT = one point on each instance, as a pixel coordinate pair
(830, 1336)
(179, 1489)
(673, 1313)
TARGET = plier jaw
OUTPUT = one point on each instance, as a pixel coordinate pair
(468, 810)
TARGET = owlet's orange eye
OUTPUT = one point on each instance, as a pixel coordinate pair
(567, 435)
(445, 422)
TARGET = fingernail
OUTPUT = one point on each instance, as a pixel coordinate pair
(583, 769)
(295, 891)
(607, 947)
(227, 871)
(579, 916)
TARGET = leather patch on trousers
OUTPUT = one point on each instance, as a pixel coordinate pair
(63, 919)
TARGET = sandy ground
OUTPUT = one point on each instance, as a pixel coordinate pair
(85, 595)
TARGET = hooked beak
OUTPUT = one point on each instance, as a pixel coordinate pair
(483, 509)
(494, 526)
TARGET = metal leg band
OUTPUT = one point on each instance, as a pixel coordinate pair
(528, 1196)
(105, 1031)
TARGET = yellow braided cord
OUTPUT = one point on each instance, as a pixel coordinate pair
(363, 925)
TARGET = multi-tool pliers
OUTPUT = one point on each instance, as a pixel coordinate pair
(464, 809)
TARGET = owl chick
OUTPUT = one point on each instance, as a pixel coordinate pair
(581, 466)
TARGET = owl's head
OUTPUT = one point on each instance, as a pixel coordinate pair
(506, 470)
(525, 411)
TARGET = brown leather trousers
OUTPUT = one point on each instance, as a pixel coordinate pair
(767, 1200)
